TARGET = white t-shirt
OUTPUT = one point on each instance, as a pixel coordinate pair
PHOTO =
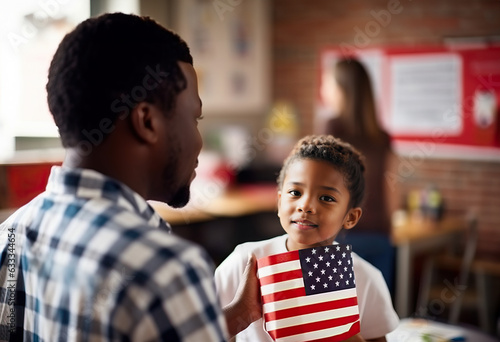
(377, 316)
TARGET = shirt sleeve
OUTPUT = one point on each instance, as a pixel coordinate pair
(377, 314)
(182, 306)
(228, 275)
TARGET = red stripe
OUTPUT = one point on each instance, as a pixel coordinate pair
(314, 326)
(312, 308)
(278, 258)
(282, 295)
(355, 329)
(279, 277)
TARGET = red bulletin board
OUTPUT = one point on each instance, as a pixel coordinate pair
(445, 95)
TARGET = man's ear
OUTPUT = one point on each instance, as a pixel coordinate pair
(352, 217)
(144, 122)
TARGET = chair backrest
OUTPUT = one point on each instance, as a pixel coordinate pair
(469, 253)
(469, 250)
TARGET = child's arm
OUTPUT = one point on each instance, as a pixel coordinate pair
(246, 306)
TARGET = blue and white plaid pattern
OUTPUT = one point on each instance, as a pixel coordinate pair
(90, 260)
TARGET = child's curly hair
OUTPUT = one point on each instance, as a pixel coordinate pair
(343, 156)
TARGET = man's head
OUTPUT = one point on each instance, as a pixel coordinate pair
(124, 96)
(104, 67)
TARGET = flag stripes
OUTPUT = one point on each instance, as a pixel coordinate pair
(292, 315)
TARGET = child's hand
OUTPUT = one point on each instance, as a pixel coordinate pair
(355, 338)
(246, 306)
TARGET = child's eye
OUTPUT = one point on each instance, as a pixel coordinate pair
(327, 198)
(294, 193)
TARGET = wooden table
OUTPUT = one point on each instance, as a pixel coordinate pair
(234, 202)
(420, 236)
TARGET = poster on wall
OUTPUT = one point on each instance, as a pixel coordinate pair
(229, 41)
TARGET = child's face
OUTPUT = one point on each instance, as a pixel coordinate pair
(313, 204)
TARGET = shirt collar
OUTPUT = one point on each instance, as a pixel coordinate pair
(86, 183)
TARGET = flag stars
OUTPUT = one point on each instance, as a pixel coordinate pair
(347, 247)
(327, 268)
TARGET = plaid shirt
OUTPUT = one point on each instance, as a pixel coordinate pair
(90, 260)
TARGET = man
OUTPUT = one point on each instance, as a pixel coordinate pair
(89, 259)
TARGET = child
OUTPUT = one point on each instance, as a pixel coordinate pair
(320, 190)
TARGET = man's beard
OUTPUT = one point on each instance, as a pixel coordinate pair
(180, 192)
(180, 198)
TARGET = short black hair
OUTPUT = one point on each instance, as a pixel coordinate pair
(100, 71)
(340, 154)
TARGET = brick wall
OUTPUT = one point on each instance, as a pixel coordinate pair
(302, 28)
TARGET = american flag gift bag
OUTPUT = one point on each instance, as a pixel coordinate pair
(309, 294)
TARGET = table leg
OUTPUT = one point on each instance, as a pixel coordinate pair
(403, 286)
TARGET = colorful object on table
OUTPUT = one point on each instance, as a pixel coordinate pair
(309, 294)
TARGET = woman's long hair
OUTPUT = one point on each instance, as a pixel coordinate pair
(359, 114)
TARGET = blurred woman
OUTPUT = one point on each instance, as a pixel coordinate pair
(349, 94)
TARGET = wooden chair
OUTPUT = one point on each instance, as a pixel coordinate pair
(455, 280)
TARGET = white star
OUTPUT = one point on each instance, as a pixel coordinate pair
(315, 265)
(340, 262)
(325, 285)
(348, 262)
(308, 259)
(320, 258)
(343, 255)
(327, 249)
(337, 283)
(345, 269)
(338, 248)
(310, 273)
(330, 278)
(318, 279)
(313, 251)
(341, 276)
(323, 271)
(334, 270)
(332, 256)
(313, 287)
(350, 275)
(327, 264)
(347, 247)
(347, 282)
